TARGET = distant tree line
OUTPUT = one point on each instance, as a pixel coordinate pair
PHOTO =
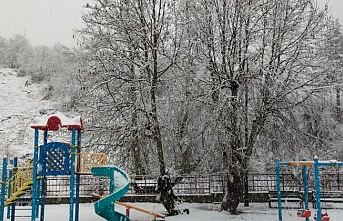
(50, 66)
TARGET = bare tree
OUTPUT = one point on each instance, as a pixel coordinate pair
(133, 46)
(258, 67)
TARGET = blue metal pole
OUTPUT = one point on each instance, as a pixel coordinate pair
(77, 198)
(39, 182)
(9, 207)
(34, 186)
(317, 186)
(45, 138)
(9, 187)
(15, 170)
(43, 184)
(72, 176)
(305, 188)
(3, 187)
(42, 198)
(278, 189)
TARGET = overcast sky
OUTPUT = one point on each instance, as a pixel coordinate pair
(42, 21)
(50, 21)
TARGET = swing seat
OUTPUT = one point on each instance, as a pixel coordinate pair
(325, 217)
(304, 213)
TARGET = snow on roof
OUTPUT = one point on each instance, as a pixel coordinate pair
(56, 121)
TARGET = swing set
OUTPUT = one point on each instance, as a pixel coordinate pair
(306, 212)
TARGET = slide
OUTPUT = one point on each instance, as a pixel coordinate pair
(119, 185)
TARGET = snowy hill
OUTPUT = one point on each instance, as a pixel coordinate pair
(20, 102)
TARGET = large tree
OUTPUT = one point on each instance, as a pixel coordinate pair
(259, 68)
(130, 45)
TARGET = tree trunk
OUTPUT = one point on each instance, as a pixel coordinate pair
(185, 167)
(153, 89)
(135, 147)
(234, 190)
(246, 189)
(156, 126)
(338, 105)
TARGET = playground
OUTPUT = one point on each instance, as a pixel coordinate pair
(54, 159)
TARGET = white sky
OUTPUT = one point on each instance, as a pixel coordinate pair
(335, 8)
(42, 21)
(51, 21)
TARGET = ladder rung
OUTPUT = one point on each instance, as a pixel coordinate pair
(22, 209)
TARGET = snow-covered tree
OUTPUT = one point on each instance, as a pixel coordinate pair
(206, 85)
(3, 49)
(259, 71)
(129, 46)
(17, 45)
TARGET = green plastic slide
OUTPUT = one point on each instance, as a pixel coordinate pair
(119, 185)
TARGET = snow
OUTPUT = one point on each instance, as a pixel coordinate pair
(19, 104)
(65, 121)
(120, 180)
(198, 212)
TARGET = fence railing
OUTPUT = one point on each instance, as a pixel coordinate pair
(196, 184)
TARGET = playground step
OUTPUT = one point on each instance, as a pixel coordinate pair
(24, 192)
(28, 187)
(21, 212)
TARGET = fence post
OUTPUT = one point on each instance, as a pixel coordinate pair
(338, 187)
(209, 184)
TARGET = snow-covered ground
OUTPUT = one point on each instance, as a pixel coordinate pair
(198, 212)
(20, 101)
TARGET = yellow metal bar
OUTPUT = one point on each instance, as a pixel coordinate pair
(22, 175)
(18, 192)
(20, 181)
(141, 210)
(301, 163)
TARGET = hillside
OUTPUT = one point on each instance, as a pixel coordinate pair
(20, 102)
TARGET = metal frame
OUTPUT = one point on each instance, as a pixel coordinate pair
(316, 164)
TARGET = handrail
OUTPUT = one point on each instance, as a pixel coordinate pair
(128, 207)
(18, 192)
(21, 177)
(20, 181)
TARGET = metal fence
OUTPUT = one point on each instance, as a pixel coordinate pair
(195, 184)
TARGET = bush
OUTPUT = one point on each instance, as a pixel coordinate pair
(37, 78)
(21, 73)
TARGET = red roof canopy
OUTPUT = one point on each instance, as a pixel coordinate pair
(56, 121)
